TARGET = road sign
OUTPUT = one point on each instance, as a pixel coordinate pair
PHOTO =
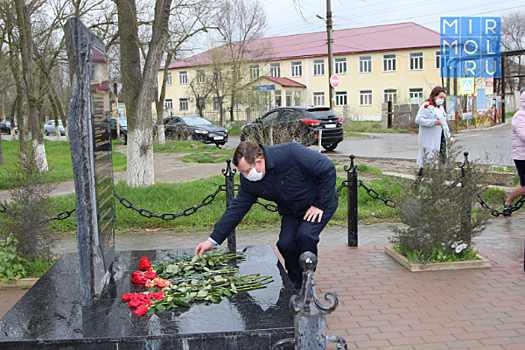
(334, 80)
(466, 86)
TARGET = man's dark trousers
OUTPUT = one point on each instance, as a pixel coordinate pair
(298, 236)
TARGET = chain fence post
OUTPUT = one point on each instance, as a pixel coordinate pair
(229, 175)
(351, 173)
(466, 211)
(310, 313)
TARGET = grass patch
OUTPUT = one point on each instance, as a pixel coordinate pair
(38, 267)
(204, 158)
(58, 158)
(164, 198)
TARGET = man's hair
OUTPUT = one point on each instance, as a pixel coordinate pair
(248, 150)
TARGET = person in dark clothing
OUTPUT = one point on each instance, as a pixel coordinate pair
(302, 184)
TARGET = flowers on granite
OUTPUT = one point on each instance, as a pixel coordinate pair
(186, 279)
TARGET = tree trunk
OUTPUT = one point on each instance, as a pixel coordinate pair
(26, 51)
(137, 87)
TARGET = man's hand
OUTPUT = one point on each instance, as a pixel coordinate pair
(204, 247)
(312, 213)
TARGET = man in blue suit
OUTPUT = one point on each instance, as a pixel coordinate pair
(302, 184)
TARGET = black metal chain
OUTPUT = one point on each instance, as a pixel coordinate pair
(170, 216)
(372, 193)
(4, 210)
(505, 212)
(63, 215)
(268, 206)
(343, 185)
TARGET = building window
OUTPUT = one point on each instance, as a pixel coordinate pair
(235, 73)
(341, 98)
(168, 79)
(275, 70)
(254, 71)
(365, 97)
(297, 68)
(415, 95)
(289, 102)
(365, 64)
(416, 60)
(168, 104)
(278, 101)
(216, 104)
(319, 99)
(390, 95)
(340, 65)
(389, 63)
(183, 77)
(200, 76)
(183, 104)
(438, 59)
(297, 98)
(318, 67)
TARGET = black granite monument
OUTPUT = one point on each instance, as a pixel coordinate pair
(90, 142)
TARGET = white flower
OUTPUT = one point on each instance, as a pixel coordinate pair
(456, 244)
(460, 247)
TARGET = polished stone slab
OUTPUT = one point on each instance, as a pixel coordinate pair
(51, 315)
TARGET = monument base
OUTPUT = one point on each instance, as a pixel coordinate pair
(51, 315)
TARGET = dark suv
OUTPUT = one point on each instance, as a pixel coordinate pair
(299, 124)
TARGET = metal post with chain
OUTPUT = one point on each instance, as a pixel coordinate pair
(229, 174)
(351, 173)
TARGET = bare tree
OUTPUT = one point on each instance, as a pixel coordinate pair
(190, 22)
(513, 38)
(239, 24)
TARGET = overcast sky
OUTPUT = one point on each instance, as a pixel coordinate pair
(284, 19)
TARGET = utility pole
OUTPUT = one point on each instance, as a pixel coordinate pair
(330, 51)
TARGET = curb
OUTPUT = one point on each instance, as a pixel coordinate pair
(22, 282)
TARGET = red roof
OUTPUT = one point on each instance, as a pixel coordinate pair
(285, 82)
(390, 37)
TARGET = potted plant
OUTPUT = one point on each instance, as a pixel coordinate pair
(436, 210)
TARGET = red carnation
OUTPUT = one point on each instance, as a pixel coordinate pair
(144, 264)
(139, 279)
(150, 274)
(141, 310)
(159, 295)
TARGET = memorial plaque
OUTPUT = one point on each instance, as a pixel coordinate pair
(88, 121)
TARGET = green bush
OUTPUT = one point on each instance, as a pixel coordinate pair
(437, 213)
(11, 264)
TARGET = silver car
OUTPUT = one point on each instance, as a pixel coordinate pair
(49, 127)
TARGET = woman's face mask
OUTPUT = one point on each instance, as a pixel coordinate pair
(439, 101)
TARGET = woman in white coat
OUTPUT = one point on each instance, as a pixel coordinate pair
(433, 128)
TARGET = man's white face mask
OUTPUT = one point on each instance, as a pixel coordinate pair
(253, 175)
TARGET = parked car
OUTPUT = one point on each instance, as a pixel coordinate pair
(123, 122)
(124, 129)
(299, 124)
(192, 127)
(5, 127)
(49, 128)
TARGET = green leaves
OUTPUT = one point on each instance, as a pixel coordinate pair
(11, 267)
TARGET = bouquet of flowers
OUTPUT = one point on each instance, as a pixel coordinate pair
(186, 279)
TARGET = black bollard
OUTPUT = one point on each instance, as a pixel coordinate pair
(229, 175)
(466, 211)
(351, 172)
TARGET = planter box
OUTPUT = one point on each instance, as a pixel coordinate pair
(456, 265)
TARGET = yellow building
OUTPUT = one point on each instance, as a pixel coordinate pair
(374, 64)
